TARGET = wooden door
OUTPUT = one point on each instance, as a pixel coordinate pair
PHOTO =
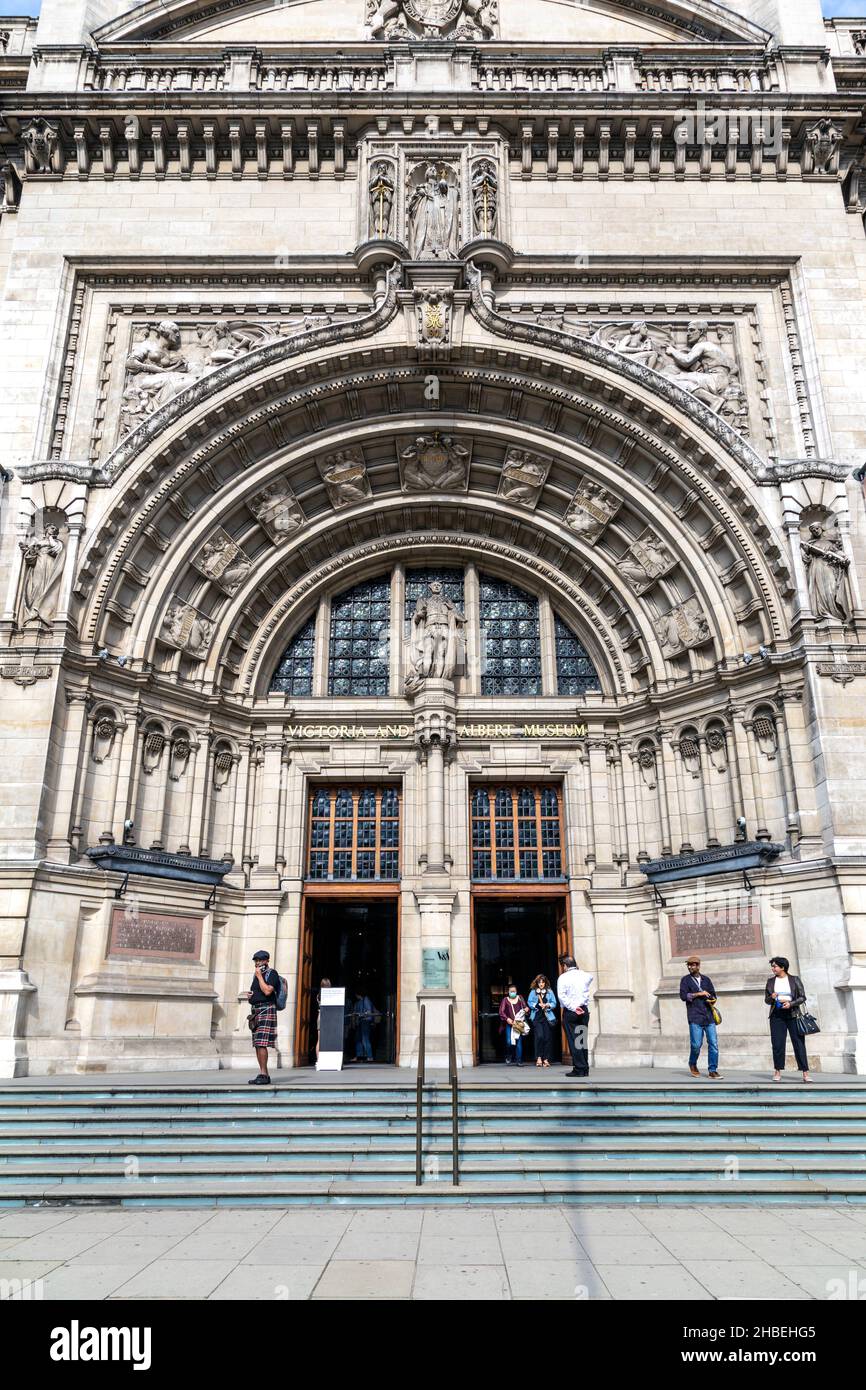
(303, 1014)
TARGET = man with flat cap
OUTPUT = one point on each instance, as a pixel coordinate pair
(696, 991)
(262, 995)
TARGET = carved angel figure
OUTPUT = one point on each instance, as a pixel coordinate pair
(436, 639)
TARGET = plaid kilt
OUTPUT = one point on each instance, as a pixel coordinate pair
(265, 1025)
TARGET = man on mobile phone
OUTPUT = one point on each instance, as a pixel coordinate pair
(262, 996)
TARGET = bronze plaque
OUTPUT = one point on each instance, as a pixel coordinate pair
(718, 931)
(135, 933)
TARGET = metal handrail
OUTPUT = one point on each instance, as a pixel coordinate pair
(452, 1077)
(419, 1099)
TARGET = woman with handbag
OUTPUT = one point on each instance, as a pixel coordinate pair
(786, 995)
(512, 1013)
(542, 1002)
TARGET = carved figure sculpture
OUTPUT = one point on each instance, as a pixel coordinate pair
(277, 510)
(706, 370)
(683, 626)
(485, 191)
(187, 629)
(43, 558)
(381, 195)
(224, 562)
(436, 639)
(826, 568)
(523, 476)
(434, 463)
(591, 510)
(645, 561)
(432, 19)
(156, 370)
(41, 140)
(823, 140)
(434, 225)
(345, 477)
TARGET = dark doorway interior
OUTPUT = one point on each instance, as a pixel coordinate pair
(514, 941)
(354, 944)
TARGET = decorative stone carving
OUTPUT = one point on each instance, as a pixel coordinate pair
(224, 760)
(436, 641)
(186, 629)
(433, 212)
(717, 748)
(434, 463)
(826, 567)
(222, 561)
(41, 140)
(105, 729)
(277, 510)
(166, 358)
(764, 729)
(152, 750)
(646, 761)
(433, 308)
(181, 752)
(10, 187)
(645, 561)
(690, 752)
(485, 198)
(42, 564)
(708, 371)
(682, 627)
(592, 507)
(397, 20)
(523, 476)
(381, 197)
(345, 477)
(823, 141)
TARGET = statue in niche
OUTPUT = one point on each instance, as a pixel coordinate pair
(591, 509)
(683, 627)
(434, 463)
(381, 194)
(42, 562)
(826, 568)
(187, 629)
(221, 560)
(277, 510)
(434, 224)
(645, 561)
(345, 477)
(523, 476)
(484, 198)
(436, 639)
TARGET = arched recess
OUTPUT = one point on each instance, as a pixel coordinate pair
(662, 473)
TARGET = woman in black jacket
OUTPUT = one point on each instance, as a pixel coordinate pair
(786, 995)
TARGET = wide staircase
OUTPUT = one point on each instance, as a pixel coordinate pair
(355, 1144)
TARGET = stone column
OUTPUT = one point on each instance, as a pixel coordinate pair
(71, 770)
(268, 799)
(14, 989)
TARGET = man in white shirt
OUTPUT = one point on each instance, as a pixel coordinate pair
(572, 991)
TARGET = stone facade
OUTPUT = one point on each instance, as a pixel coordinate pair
(302, 298)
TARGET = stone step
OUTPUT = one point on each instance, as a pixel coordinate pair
(609, 1191)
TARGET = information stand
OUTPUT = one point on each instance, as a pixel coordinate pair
(332, 1008)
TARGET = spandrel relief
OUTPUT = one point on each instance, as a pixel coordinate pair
(434, 463)
(684, 626)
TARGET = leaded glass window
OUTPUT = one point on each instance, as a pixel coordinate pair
(359, 640)
(418, 586)
(575, 673)
(511, 641)
(355, 835)
(294, 675)
(517, 834)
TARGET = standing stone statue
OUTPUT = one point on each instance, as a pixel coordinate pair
(381, 194)
(484, 198)
(436, 639)
(826, 567)
(43, 569)
(434, 230)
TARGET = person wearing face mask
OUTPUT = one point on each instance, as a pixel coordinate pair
(512, 1012)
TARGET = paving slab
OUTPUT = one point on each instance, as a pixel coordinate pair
(555, 1279)
(461, 1283)
(453, 1249)
(279, 1282)
(174, 1279)
(378, 1245)
(651, 1282)
(737, 1279)
(367, 1279)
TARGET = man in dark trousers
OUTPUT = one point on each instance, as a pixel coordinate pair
(695, 991)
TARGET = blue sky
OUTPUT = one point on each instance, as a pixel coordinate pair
(831, 7)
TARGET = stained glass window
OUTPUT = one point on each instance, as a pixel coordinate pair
(510, 640)
(575, 672)
(418, 586)
(355, 834)
(294, 675)
(359, 640)
(520, 839)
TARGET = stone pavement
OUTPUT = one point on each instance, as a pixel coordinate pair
(755, 1252)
